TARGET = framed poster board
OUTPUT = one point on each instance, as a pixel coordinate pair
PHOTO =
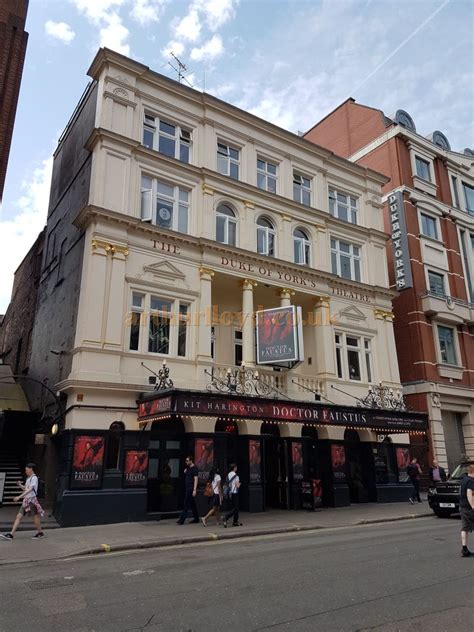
(297, 460)
(403, 460)
(204, 457)
(338, 461)
(135, 468)
(255, 461)
(87, 462)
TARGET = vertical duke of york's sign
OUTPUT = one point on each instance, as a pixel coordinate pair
(401, 255)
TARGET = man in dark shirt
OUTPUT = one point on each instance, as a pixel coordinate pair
(191, 474)
(466, 508)
(437, 473)
(414, 472)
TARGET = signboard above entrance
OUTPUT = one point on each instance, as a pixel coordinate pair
(280, 336)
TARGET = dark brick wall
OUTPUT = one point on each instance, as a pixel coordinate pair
(13, 40)
(16, 329)
(60, 281)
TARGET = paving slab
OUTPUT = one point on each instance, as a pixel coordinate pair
(60, 543)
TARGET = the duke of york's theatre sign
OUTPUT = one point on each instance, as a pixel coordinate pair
(289, 277)
(401, 256)
(203, 404)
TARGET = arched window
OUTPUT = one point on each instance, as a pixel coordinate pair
(226, 225)
(265, 237)
(302, 247)
(113, 445)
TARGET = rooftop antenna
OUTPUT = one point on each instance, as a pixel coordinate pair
(181, 69)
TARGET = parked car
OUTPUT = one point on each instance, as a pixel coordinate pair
(443, 497)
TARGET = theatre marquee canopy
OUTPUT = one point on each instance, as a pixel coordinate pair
(156, 406)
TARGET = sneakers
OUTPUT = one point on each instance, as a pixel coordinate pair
(224, 523)
(411, 501)
(465, 552)
(181, 522)
(6, 536)
(38, 536)
(236, 524)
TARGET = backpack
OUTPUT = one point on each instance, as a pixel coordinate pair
(228, 488)
(41, 489)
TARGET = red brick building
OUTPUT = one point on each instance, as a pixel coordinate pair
(430, 216)
(13, 40)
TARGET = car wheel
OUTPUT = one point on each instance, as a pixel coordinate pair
(441, 513)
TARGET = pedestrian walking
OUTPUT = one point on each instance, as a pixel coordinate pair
(216, 499)
(30, 505)
(466, 508)
(414, 472)
(191, 474)
(232, 494)
(437, 473)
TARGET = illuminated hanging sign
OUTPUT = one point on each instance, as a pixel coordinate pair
(280, 336)
(401, 254)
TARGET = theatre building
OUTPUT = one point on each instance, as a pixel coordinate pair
(200, 296)
(429, 214)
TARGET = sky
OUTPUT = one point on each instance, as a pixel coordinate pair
(288, 61)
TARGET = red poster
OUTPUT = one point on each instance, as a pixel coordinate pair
(403, 459)
(87, 462)
(297, 460)
(255, 461)
(204, 457)
(277, 335)
(135, 470)
(338, 460)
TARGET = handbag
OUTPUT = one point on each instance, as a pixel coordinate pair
(208, 491)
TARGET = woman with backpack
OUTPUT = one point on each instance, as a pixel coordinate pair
(231, 493)
(214, 492)
(29, 506)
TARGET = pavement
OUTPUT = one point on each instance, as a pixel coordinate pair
(61, 543)
(390, 577)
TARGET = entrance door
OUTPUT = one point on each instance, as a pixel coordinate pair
(356, 468)
(164, 475)
(275, 473)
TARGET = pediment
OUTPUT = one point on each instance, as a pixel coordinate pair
(164, 270)
(352, 313)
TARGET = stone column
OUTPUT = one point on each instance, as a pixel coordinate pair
(248, 328)
(285, 297)
(323, 356)
(205, 315)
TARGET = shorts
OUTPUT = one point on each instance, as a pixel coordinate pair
(467, 519)
(31, 512)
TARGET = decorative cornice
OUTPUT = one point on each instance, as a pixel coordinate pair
(248, 284)
(108, 248)
(207, 190)
(284, 292)
(381, 314)
(206, 272)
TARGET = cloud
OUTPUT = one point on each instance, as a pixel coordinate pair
(18, 234)
(210, 50)
(189, 27)
(115, 34)
(216, 12)
(145, 11)
(103, 14)
(60, 31)
(177, 48)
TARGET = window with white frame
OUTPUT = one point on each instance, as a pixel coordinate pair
(436, 283)
(429, 226)
(467, 249)
(226, 225)
(265, 237)
(343, 206)
(238, 348)
(446, 343)
(454, 186)
(228, 160)
(167, 138)
(158, 325)
(164, 204)
(302, 247)
(267, 175)
(422, 169)
(345, 259)
(353, 357)
(469, 197)
(301, 189)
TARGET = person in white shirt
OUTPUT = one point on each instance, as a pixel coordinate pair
(216, 499)
(30, 504)
(233, 481)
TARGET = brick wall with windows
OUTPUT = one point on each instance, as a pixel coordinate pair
(13, 41)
